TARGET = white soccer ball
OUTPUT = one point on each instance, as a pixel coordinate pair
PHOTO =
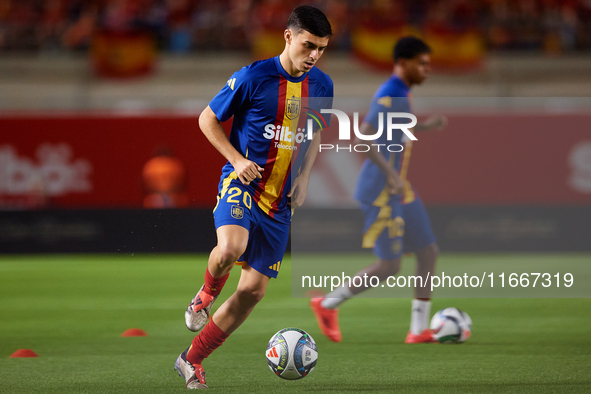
(451, 325)
(291, 353)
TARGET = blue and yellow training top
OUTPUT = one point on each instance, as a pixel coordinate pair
(270, 109)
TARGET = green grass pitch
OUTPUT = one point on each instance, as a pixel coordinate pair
(71, 310)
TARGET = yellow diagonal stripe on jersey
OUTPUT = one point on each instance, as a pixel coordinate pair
(384, 216)
(225, 185)
(373, 232)
(384, 197)
(283, 158)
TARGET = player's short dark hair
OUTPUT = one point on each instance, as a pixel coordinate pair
(310, 19)
(409, 47)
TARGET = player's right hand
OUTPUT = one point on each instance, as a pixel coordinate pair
(247, 171)
(395, 183)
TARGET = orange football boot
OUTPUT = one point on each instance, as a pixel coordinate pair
(424, 337)
(328, 320)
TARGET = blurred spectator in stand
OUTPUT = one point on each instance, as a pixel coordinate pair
(179, 23)
(205, 21)
(82, 22)
(124, 46)
(569, 26)
(53, 25)
(164, 179)
(268, 14)
(498, 27)
(156, 18)
(180, 26)
(4, 20)
(527, 25)
(338, 14)
(236, 25)
(383, 14)
(584, 33)
(268, 17)
(116, 16)
(22, 21)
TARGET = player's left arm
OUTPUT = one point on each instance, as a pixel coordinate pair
(299, 189)
(433, 122)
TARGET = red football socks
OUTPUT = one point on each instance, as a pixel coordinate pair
(213, 286)
(206, 342)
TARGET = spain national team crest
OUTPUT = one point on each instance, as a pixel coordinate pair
(292, 108)
(237, 212)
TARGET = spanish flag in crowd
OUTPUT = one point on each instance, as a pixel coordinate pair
(455, 50)
(123, 54)
(452, 50)
(373, 45)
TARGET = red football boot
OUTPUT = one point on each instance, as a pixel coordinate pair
(424, 337)
(328, 320)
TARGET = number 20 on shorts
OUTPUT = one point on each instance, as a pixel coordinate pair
(234, 197)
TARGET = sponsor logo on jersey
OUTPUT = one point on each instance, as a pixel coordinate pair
(284, 137)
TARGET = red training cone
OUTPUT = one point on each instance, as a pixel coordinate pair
(22, 353)
(134, 332)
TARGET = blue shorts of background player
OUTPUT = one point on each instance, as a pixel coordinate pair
(418, 232)
(383, 228)
(415, 231)
(267, 239)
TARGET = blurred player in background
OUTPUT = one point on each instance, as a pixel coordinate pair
(396, 221)
(256, 193)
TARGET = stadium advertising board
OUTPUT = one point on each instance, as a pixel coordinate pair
(480, 159)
